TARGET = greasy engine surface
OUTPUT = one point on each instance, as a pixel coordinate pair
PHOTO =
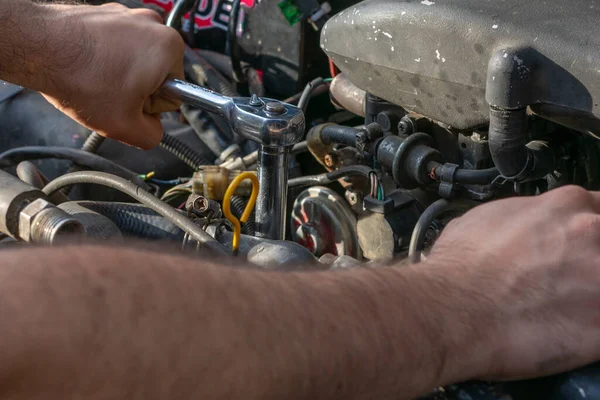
(406, 125)
(432, 57)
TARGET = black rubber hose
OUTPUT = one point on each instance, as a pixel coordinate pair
(234, 49)
(99, 178)
(219, 61)
(29, 173)
(329, 177)
(339, 134)
(238, 206)
(306, 94)
(223, 65)
(476, 176)
(136, 220)
(417, 240)
(184, 152)
(469, 176)
(202, 73)
(508, 143)
(82, 158)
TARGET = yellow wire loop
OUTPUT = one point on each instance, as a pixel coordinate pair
(237, 226)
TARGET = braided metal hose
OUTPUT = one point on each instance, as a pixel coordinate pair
(184, 152)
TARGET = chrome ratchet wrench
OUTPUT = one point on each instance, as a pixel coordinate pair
(276, 126)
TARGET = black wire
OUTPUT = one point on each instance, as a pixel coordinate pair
(305, 98)
(235, 50)
(329, 177)
(316, 91)
(417, 240)
(81, 158)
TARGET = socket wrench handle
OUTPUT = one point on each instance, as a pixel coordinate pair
(195, 96)
(276, 126)
(268, 122)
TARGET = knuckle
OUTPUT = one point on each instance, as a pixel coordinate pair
(149, 14)
(114, 6)
(585, 225)
(570, 195)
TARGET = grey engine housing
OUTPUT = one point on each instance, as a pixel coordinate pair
(432, 56)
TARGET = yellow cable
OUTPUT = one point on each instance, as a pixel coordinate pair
(237, 227)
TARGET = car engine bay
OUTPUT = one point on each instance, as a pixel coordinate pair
(317, 135)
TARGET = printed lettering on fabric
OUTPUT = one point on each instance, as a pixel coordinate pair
(209, 14)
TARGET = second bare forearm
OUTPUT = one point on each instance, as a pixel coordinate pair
(146, 326)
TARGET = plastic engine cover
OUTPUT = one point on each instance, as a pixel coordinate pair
(432, 56)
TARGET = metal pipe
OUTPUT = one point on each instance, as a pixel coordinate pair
(178, 11)
(347, 95)
(15, 195)
(272, 195)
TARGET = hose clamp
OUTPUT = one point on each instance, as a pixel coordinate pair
(446, 175)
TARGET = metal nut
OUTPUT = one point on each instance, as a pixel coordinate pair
(27, 216)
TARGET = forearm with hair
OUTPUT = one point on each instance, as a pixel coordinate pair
(38, 45)
(94, 323)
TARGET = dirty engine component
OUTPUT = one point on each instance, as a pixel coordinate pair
(364, 143)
